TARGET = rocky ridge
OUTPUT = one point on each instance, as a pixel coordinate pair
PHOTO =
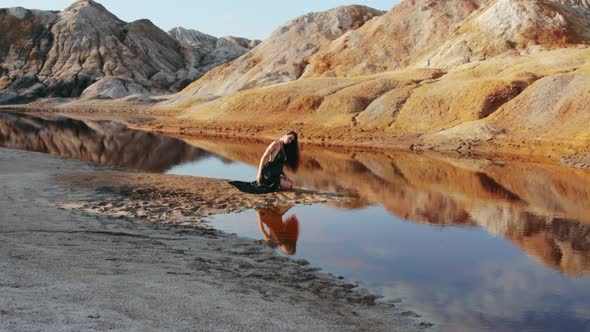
(281, 57)
(462, 75)
(86, 51)
(446, 34)
(207, 52)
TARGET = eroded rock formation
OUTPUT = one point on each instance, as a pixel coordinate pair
(443, 75)
(281, 57)
(61, 54)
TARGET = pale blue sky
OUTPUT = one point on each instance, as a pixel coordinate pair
(250, 19)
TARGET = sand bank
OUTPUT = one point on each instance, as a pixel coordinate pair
(70, 269)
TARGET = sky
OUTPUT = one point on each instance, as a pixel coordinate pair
(254, 19)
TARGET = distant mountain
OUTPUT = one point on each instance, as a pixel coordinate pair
(281, 57)
(87, 51)
(207, 52)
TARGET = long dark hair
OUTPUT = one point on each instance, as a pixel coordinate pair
(292, 153)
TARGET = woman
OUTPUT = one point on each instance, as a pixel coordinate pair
(280, 153)
(271, 177)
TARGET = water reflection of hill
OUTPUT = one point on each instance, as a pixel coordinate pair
(544, 209)
(102, 142)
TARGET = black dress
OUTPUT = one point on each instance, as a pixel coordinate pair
(271, 177)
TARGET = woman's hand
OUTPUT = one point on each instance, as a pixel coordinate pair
(259, 179)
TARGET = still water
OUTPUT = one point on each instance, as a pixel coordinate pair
(463, 278)
(215, 167)
(473, 245)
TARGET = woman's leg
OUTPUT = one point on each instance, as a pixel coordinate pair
(286, 184)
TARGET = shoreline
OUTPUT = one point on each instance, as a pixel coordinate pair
(188, 199)
(72, 267)
(139, 118)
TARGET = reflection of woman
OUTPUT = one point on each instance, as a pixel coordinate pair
(281, 234)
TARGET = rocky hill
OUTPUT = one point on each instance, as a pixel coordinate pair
(445, 34)
(85, 50)
(470, 76)
(462, 75)
(207, 52)
(281, 57)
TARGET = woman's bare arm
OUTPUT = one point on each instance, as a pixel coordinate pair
(264, 159)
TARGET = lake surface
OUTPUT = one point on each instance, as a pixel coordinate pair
(473, 245)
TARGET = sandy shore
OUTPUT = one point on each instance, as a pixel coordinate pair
(173, 199)
(78, 253)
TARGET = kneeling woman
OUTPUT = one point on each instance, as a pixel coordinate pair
(280, 153)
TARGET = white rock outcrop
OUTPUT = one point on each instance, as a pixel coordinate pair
(85, 49)
(446, 34)
(281, 57)
(206, 52)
